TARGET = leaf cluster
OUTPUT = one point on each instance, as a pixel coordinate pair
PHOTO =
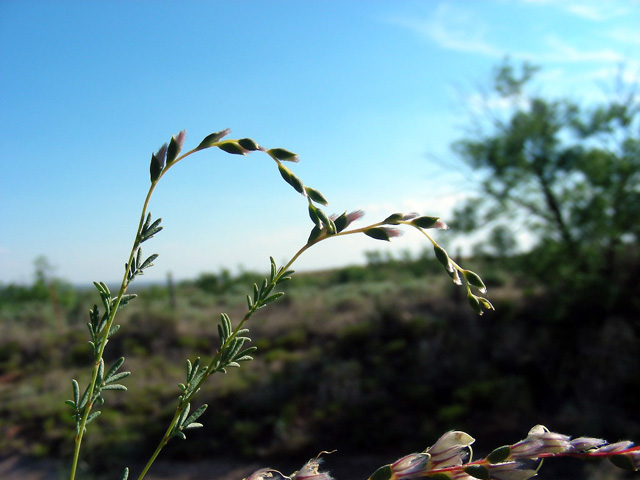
(232, 350)
(82, 405)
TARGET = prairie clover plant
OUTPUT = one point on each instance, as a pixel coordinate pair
(448, 458)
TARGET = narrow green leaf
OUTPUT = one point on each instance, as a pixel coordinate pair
(195, 415)
(226, 324)
(114, 386)
(272, 274)
(84, 399)
(272, 298)
(263, 288)
(125, 474)
(76, 392)
(103, 289)
(183, 416)
(192, 370)
(154, 225)
(221, 334)
(234, 348)
(189, 367)
(114, 329)
(146, 222)
(150, 231)
(244, 358)
(92, 416)
(148, 262)
(117, 376)
(114, 368)
(100, 376)
(193, 425)
(126, 298)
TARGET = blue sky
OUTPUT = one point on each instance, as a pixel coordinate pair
(370, 94)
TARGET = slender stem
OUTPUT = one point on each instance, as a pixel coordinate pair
(210, 369)
(114, 309)
(163, 442)
(103, 342)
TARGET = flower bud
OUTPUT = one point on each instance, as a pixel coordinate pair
(382, 233)
(424, 222)
(311, 472)
(212, 139)
(443, 257)
(232, 147)
(249, 144)
(475, 280)
(451, 449)
(540, 441)
(175, 146)
(628, 460)
(410, 466)
(283, 155)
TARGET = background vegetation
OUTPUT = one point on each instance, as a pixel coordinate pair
(383, 359)
(369, 360)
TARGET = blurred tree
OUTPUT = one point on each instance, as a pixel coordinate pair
(567, 179)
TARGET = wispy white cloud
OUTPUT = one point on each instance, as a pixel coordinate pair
(625, 35)
(452, 28)
(461, 29)
(558, 50)
(598, 11)
(595, 10)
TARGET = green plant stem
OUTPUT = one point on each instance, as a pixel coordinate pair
(103, 343)
(114, 309)
(210, 368)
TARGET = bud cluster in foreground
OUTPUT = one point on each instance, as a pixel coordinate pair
(450, 459)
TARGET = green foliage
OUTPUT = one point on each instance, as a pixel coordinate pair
(232, 338)
(303, 382)
(568, 176)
